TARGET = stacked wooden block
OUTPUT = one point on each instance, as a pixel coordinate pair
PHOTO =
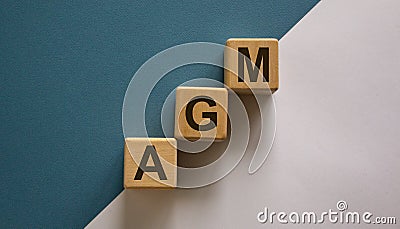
(201, 113)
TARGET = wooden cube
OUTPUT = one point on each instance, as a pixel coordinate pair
(201, 113)
(263, 54)
(150, 163)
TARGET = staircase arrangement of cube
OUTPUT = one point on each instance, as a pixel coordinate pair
(201, 113)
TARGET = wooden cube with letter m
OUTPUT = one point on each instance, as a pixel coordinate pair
(251, 65)
(150, 163)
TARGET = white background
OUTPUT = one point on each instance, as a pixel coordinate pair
(338, 132)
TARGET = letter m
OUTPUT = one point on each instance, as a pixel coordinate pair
(262, 55)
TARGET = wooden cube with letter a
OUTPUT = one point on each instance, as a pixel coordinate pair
(150, 163)
(253, 64)
(201, 113)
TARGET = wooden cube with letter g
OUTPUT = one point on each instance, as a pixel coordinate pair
(150, 163)
(201, 113)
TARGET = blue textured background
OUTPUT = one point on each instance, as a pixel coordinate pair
(64, 69)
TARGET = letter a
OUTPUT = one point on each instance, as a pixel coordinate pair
(150, 150)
